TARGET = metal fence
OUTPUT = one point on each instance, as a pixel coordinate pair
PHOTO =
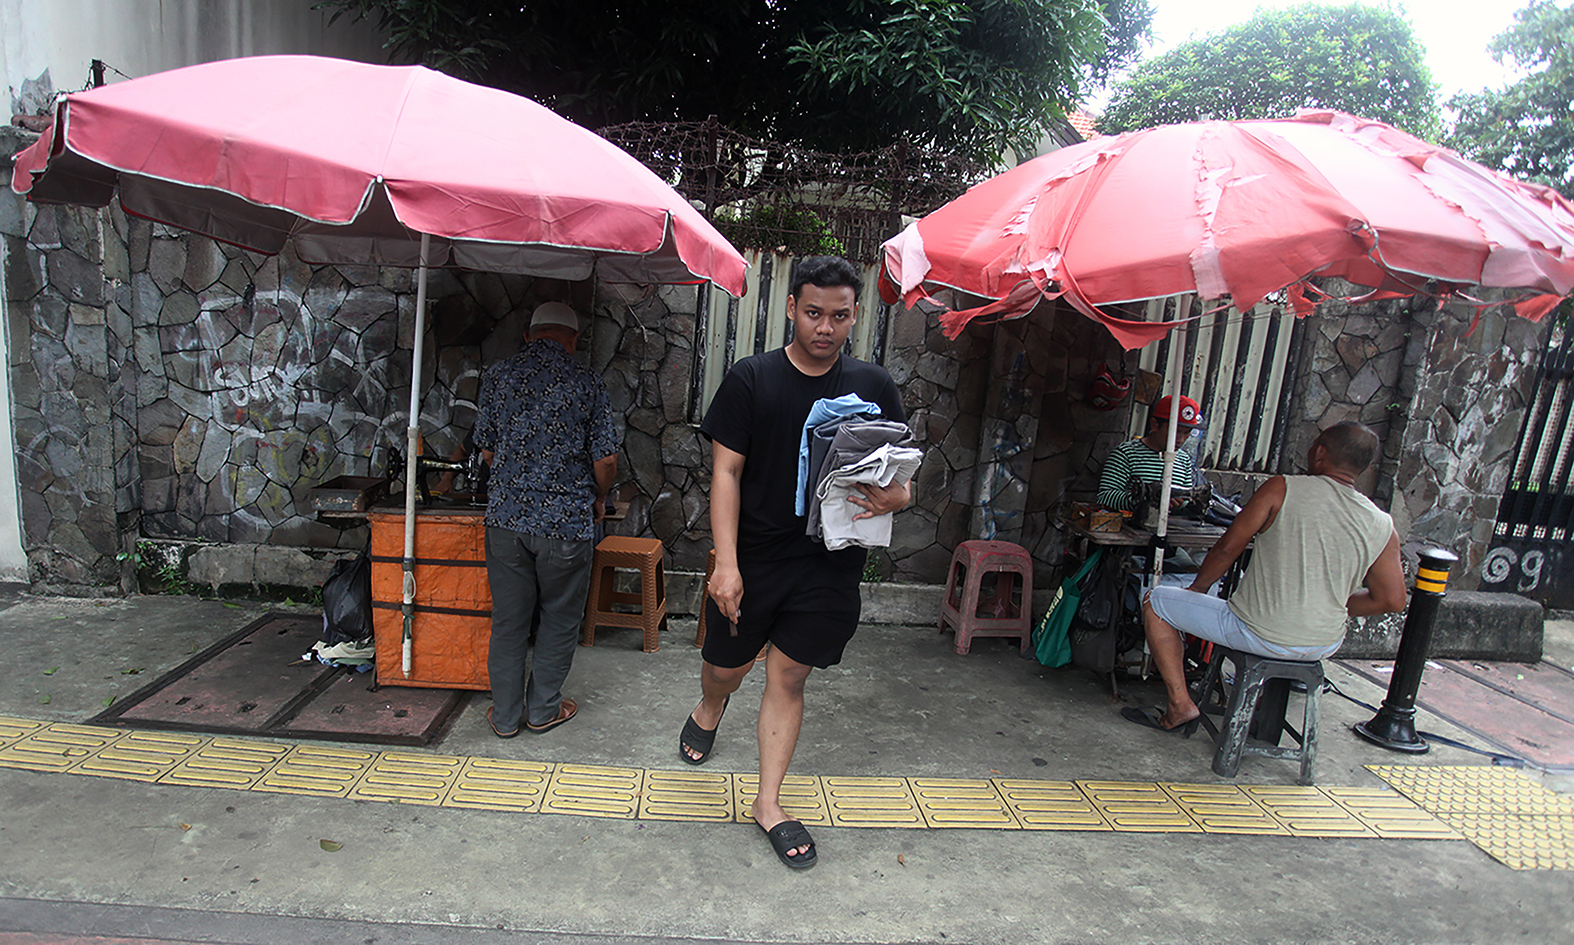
(729, 329)
(1240, 367)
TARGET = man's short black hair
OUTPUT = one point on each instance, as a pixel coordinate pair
(1351, 446)
(827, 272)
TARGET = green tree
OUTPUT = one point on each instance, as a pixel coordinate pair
(838, 75)
(1354, 58)
(1527, 128)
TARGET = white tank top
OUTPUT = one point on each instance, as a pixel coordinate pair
(1307, 564)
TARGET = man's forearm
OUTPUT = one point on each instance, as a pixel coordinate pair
(605, 471)
(725, 508)
(1214, 565)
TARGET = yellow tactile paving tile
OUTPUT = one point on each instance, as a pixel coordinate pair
(1137, 806)
(687, 795)
(1049, 805)
(871, 802)
(227, 763)
(1520, 841)
(1390, 814)
(13, 730)
(141, 756)
(321, 771)
(408, 778)
(802, 797)
(593, 791)
(947, 802)
(57, 747)
(1468, 788)
(500, 784)
(1224, 808)
(1307, 811)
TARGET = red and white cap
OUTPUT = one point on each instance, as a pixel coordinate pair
(1190, 411)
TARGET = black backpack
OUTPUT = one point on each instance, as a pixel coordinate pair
(1100, 628)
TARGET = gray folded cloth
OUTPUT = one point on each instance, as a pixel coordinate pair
(853, 440)
(820, 438)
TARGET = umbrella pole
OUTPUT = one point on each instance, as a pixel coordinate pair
(1162, 530)
(414, 440)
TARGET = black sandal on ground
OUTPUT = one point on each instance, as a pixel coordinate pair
(789, 835)
(699, 739)
(1149, 718)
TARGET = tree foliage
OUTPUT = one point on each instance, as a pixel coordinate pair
(837, 75)
(1354, 58)
(1526, 129)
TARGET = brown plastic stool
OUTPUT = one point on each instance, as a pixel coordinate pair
(1001, 615)
(616, 553)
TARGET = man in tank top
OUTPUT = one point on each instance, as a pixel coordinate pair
(1321, 552)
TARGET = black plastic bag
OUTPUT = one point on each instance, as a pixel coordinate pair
(347, 601)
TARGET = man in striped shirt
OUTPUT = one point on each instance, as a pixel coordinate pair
(1143, 458)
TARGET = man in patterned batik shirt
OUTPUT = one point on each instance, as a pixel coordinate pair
(545, 425)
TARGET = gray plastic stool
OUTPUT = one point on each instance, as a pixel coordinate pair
(1256, 710)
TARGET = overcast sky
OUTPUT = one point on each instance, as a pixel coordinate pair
(1454, 32)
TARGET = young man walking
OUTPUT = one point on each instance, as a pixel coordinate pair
(772, 583)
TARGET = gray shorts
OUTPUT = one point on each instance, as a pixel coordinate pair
(1212, 619)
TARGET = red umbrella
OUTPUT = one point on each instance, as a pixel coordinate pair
(380, 165)
(358, 162)
(1237, 209)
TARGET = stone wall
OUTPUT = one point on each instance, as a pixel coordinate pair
(74, 397)
(1470, 397)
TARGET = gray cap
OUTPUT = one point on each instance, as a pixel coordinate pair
(554, 313)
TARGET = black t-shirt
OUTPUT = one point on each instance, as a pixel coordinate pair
(759, 411)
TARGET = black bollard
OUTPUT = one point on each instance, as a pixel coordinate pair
(1394, 725)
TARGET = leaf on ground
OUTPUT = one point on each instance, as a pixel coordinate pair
(994, 770)
(108, 699)
(43, 699)
(901, 860)
(185, 826)
(50, 671)
(232, 605)
(332, 846)
(131, 671)
(193, 648)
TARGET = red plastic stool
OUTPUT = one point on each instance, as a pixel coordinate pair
(1001, 615)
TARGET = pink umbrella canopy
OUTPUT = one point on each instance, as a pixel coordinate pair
(357, 162)
(1237, 209)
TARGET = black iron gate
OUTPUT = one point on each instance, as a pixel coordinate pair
(1531, 552)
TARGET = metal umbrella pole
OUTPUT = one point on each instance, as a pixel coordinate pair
(1161, 529)
(414, 440)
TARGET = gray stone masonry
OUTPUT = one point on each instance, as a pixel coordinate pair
(1470, 625)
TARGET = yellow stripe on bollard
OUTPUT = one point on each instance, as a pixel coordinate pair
(1433, 586)
(1431, 575)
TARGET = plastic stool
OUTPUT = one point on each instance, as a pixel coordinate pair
(616, 553)
(1256, 710)
(1013, 567)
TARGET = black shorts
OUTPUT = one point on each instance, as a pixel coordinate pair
(806, 607)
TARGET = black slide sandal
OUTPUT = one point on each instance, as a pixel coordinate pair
(789, 835)
(701, 740)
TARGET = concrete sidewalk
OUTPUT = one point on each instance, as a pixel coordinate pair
(902, 705)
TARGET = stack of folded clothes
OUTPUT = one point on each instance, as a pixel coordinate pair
(845, 443)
